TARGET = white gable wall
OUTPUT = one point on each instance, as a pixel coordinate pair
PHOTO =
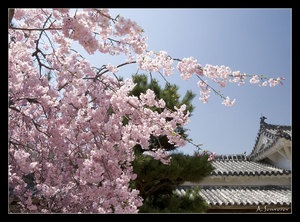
(280, 161)
(262, 143)
(279, 155)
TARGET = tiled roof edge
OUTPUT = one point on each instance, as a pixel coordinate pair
(264, 125)
(219, 195)
(234, 157)
(256, 173)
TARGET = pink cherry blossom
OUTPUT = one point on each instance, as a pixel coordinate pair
(112, 68)
(227, 101)
(265, 83)
(254, 80)
(273, 82)
(156, 61)
(188, 66)
(211, 156)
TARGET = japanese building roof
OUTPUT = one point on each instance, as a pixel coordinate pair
(243, 195)
(241, 165)
(271, 131)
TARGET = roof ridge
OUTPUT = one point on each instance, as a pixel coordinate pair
(262, 122)
(237, 157)
(275, 125)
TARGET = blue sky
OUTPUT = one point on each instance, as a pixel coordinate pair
(254, 41)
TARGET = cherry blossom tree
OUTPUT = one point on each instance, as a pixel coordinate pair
(69, 149)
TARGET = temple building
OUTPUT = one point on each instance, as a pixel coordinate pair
(259, 182)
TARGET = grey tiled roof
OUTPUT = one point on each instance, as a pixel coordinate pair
(277, 130)
(228, 165)
(270, 195)
(258, 195)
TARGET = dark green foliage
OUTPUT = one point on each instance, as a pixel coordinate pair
(154, 177)
(191, 202)
(157, 181)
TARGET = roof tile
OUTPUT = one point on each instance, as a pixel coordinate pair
(231, 195)
(244, 168)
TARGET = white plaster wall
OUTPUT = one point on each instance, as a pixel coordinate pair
(279, 161)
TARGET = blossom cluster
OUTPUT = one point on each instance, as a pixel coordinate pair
(74, 29)
(227, 101)
(161, 61)
(69, 148)
(222, 74)
(205, 91)
(87, 25)
(211, 155)
(188, 66)
(112, 68)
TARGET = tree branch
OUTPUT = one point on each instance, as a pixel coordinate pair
(215, 91)
(162, 183)
(99, 11)
(34, 29)
(36, 125)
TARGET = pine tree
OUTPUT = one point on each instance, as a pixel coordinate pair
(157, 181)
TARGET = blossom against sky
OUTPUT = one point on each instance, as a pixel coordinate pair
(254, 41)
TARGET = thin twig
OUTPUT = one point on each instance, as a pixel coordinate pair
(99, 11)
(216, 92)
(34, 29)
(168, 83)
(100, 74)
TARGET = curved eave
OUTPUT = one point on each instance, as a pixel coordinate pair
(273, 132)
(273, 147)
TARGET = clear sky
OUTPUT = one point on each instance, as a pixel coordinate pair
(254, 41)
